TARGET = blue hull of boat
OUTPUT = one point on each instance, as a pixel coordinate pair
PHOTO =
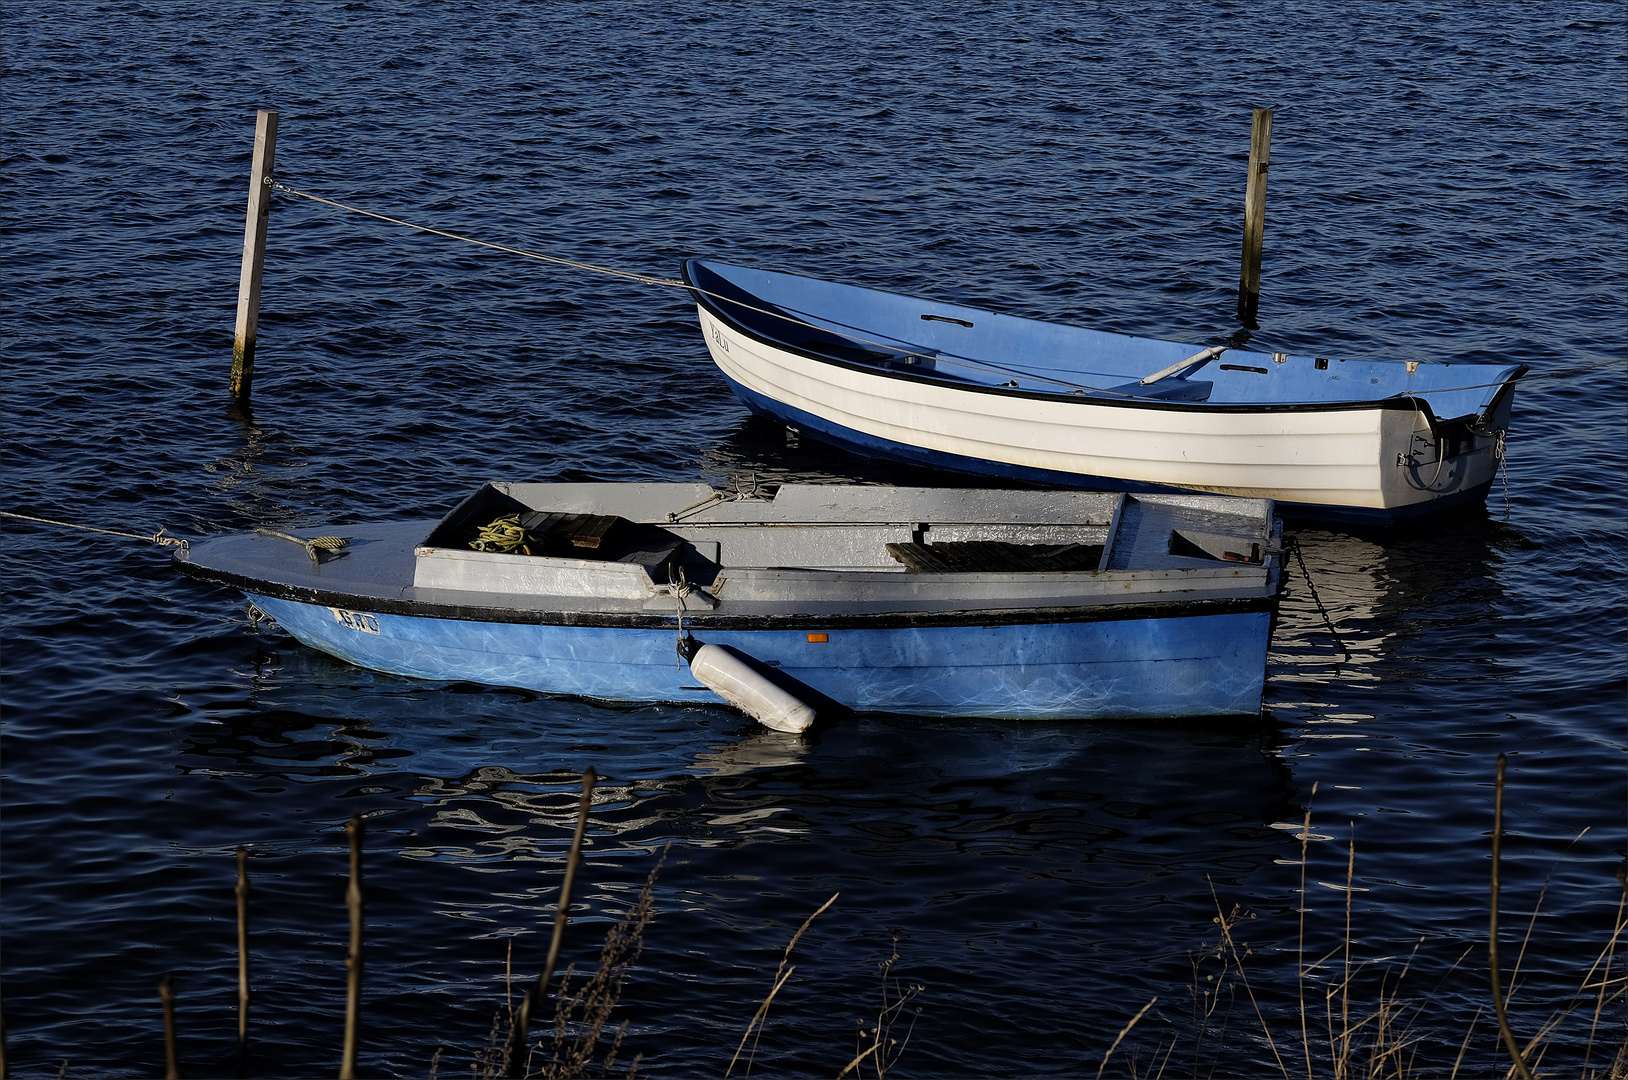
(860, 443)
(1120, 668)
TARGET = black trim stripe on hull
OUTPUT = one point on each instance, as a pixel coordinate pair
(701, 620)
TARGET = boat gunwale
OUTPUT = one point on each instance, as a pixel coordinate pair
(1263, 600)
(1418, 402)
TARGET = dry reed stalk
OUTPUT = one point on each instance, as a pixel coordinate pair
(887, 1049)
(781, 974)
(242, 961)
(1538, 1045)
(1300, 948)
(353, 960)
(1537, 908)
(1205, 1001)
(562, 914)
(1123, 1032)
(1388, 1045)
(1465, 1045)
(166, 995)
(1605, 977)
(1492, 932)
(1342, 1064)
(589, 1009)
(863, 1054)
(1238, 964)
(492, 1061)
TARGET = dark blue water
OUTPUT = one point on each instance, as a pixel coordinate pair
(1447, 183)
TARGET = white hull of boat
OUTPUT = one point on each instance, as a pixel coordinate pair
(1374, 457)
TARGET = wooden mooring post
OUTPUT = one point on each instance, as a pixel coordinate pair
(254, 254)
(1249, 278)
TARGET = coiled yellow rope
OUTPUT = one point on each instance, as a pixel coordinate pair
(504, 534)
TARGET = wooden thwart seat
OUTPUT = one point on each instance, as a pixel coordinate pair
(995, 556)
(582, 530)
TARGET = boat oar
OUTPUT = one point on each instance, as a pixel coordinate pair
(1197, 359)
(726, 673)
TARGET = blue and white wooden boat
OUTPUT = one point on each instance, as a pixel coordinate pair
(975, 391)
(996, 603)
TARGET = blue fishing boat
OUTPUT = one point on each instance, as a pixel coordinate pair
(976, 391)
(995, 603)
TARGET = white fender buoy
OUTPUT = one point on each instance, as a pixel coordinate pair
(721, 670)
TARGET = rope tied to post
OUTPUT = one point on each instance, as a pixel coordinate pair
(156, 538)
(793, 318)
(558, 260)
(803, 319)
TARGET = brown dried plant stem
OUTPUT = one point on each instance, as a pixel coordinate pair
(1123, 1032)
(516, 1053)
(242, 961)
(1300, 951)
(1230, 946)
(353, 962)
(1492, 933)
(781, 975)
(1602, 964)
(166, 995)
(1342, 1067)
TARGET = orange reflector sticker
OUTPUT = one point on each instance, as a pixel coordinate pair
(819, 637)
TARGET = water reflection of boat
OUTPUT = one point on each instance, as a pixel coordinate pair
(763, 750)
(1391, 610)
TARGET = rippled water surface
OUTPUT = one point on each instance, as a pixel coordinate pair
(1447, 182)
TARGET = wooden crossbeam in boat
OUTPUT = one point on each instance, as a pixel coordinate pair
(995, 556)
(583, 530)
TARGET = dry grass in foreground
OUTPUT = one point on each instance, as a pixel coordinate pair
(1338, 1031)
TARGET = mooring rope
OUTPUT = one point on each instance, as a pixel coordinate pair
(672, 283)
(796, 318)
(157, 538)
(643, 279)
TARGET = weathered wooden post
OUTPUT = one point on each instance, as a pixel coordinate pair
(353, 962)
(1249, 279)
(242, 962)
(254, 254)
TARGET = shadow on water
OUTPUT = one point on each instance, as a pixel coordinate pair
(765, 451)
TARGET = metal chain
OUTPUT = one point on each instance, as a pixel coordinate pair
(1293, 542)
(1501, 450)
